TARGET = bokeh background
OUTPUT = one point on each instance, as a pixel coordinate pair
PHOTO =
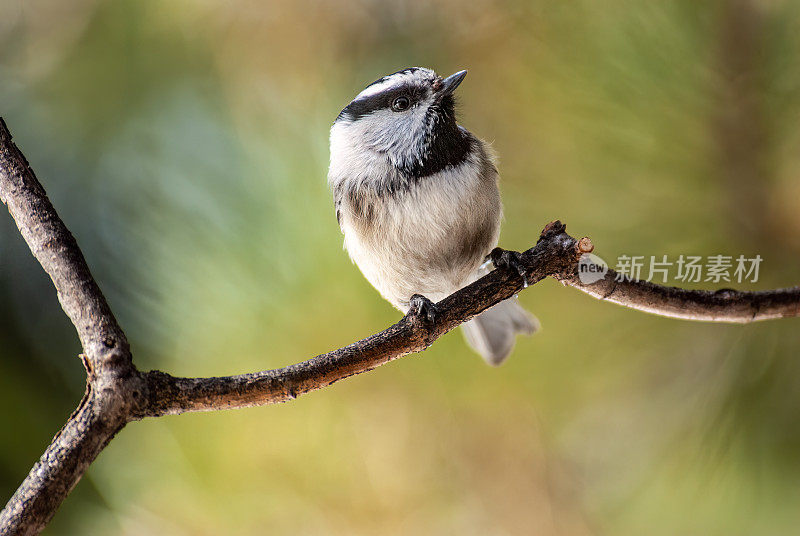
(185, 145)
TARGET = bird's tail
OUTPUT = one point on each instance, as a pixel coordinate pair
(493, 332)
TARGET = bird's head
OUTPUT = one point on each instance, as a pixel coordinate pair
(406, 119)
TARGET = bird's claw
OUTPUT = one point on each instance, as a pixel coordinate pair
(423, 308)
(509, 260)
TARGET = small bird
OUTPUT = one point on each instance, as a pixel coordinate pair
(417, 199)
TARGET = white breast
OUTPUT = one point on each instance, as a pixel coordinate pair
(429, 238)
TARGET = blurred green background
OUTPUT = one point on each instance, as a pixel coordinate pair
(185, 145)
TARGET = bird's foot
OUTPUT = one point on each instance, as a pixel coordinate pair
(509, 260)
(422, 307)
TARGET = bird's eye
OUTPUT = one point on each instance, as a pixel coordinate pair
(400, 104)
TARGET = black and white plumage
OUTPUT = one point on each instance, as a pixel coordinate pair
(417, 199)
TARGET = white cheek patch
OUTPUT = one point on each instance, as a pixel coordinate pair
(375, 144)
(398, 135)
(350, 161)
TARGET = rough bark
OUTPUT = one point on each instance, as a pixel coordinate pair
(117, 392)
(113, 384)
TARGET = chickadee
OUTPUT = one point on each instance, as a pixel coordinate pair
(417, 199)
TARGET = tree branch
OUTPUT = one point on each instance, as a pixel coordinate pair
(112, 381)
(724, 305)
(55, 248)
(555, 253)
(118, 393)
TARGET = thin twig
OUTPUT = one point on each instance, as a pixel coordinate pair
(724, 305)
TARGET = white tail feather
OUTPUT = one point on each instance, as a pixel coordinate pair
(493, 332)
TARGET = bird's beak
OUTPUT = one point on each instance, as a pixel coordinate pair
(450, 83)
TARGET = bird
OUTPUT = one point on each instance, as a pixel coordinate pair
(417, 199)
